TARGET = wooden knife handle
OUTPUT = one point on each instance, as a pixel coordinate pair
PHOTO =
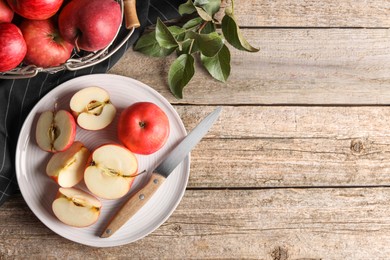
(131, 206)
(130, 11)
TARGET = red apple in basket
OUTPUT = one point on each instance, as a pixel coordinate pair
(12, 46)
(90, 25)
(6, 13)
(67, 167)
(143, 128)
(35, 9)
(76, 208)
(92, 108)
(55, 131)
(111, 171)
(45, 46)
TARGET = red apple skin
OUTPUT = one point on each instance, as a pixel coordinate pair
(143, 128)
(13, 47)
(90, 25)
(6, 13)
(72, 135)
(43, 35)
(35, 9)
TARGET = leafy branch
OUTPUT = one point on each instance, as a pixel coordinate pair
(196, 38)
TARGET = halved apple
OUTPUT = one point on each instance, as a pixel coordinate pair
(55, 130)
(92, 108)
(111, 171)
(67, 168)
(76, 208)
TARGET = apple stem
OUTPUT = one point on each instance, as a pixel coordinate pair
(55, 108)
(76, 43)
(140, 173)
(142, 124)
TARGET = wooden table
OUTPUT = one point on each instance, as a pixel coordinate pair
(298, 165)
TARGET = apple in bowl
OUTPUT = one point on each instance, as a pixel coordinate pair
(43, 34)
(35, 9)
(55, 130)
(13, 47)
(67, 168)
(90, 25)
(143, 128)
(6, 13)
(92, 108)
(111, 171)
(76, 208)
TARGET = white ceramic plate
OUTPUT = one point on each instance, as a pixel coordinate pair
(39, 190)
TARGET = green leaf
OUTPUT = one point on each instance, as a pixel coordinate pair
(209, 28)
(233, 35)
(164, 36)
(208, 44)
(180, 73)
(201, 2)
(203, 14)
(147, 44)
(187, 8)
(219, 65)
(193, 23)
(188, 47)
(177, 32)
(210, 6)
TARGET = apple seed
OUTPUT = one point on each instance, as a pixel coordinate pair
(54, 132)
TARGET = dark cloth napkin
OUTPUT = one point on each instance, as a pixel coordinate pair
(18, 97)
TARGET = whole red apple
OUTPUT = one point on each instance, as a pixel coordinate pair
(45, 46)
(12, 46)
(143, 128)
(6, 13)
(90, 25)
(35, 9)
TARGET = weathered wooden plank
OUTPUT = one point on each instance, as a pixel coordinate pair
(257, 224)
(273, 146)
(308, 66)
(312, 13)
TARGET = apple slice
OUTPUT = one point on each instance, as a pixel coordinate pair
(76, 208)
(55, 131)
(111, 171)
(92, 108)
(67, 168)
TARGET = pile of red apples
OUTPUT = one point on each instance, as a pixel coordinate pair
(45, 32)
(109, 170)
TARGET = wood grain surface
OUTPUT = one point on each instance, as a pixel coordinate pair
(297, 166)
(312, 13)
(294, 66)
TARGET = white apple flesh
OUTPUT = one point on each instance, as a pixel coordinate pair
(67, 167)
(111, 171)
(92, 108)
(76, 208)
(55, 131)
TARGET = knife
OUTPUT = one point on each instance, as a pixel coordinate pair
(159, 174)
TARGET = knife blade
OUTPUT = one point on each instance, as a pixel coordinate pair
(159, 175)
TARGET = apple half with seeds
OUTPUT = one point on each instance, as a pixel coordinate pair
(111, 171)
(92, 108)
(76, 208)
(67, 168)
(55, 130)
